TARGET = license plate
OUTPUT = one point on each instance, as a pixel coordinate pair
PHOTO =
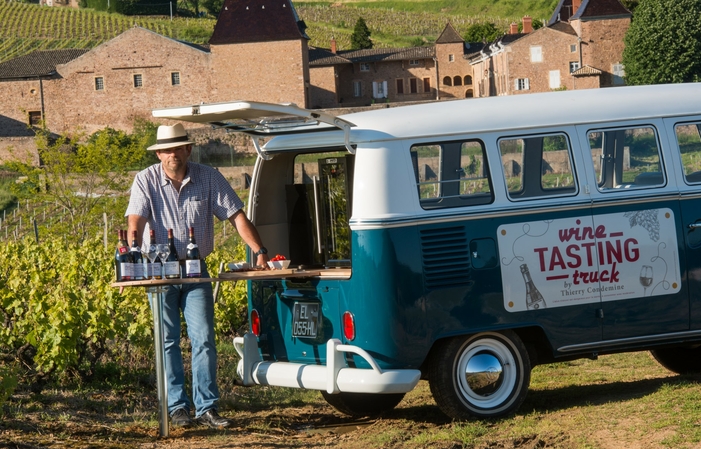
(305, 319)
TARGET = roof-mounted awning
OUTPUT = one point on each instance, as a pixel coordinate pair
(259, 119)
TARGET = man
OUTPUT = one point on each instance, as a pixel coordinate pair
(177, 194)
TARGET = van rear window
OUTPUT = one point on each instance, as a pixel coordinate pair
(451, 174)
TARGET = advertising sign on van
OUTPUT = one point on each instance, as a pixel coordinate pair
(579, 260)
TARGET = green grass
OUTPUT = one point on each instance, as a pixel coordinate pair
(25, 27)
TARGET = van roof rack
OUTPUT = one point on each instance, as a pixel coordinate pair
(259, 119)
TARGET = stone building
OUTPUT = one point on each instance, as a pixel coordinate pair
(580, 48)
(259, 51)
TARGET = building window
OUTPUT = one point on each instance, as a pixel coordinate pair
(451, 58)
(521, 84)
(357, 89)
(379, 89)
(554, 79)
(364, 67)
(619, 73)
(413, 85)
(138, 80)
(574, 66)
(34, 118)
(447, 81)
(427, 84)
(457, 80)
(469, 93)
(400, 86)
(414, 62)
(99, 83)
(468, 80)
(573, 48)
(537, 54)
(175, 78)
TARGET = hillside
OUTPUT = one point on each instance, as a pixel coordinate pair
(27, 27)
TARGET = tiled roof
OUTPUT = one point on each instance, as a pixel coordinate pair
(587, 70)
(322, 56)
(242, 21)
(449, 36)
(38, 63)
(563, 27)
(588, 9)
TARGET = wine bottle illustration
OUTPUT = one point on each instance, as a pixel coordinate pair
(534, 300)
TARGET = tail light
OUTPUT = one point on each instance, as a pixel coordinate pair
(255, 323)
(348, 326)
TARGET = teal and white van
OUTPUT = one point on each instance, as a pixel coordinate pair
(464, 242)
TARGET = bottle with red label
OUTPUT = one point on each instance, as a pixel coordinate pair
(193, 264)
(123, 261)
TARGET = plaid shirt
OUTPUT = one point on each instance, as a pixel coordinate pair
(204, 194)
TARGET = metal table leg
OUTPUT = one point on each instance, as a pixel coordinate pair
(156, 298)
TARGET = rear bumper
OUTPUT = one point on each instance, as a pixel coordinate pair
(335, 377)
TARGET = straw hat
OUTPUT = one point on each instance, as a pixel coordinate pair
(170, 137)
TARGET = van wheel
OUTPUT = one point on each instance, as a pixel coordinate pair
(679, 359)
(363, 404)
(484, 375)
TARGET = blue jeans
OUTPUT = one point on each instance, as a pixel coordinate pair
(197, 304)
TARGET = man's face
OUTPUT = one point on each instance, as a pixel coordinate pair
(174, 159)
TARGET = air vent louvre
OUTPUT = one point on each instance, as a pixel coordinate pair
(446, 257)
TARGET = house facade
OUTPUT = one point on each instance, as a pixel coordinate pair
(580, 48)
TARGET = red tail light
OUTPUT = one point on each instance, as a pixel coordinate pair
(348, 326)
(255, 323)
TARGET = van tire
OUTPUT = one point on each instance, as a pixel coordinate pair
(363, 404)
(679, 359)
(451, 389)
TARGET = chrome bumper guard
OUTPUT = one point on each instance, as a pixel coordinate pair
(335, 377)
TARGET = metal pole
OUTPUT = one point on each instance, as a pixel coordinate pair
(36, 231)
(156, 297)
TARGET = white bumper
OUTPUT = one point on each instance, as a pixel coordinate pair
(335, 377)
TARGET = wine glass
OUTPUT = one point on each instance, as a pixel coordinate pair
(646, 277)
(163, 252)
(152, 254)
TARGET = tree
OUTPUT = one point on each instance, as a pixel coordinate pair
(663, 43)
(630, 4)
(482, 32)
(360, 39)
(213, 6)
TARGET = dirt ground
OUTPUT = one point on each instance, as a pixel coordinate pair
(62, 420)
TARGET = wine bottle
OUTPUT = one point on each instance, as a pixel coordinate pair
(137, 260)
(193, 266)
(122, 259)
(155, 266)
(172, 265)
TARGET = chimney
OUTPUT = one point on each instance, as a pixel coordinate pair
(333, 45)
(513, 29)
(575, 6)
(527, 24)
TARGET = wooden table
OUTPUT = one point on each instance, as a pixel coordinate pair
(156, 289)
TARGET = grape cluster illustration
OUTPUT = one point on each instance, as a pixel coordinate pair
(648, 220)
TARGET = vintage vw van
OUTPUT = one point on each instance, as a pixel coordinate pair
(464, 242)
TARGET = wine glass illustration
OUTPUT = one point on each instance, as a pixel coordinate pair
(646, 277)
(152, 254)
(163, 252)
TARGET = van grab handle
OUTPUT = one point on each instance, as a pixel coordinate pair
(316, 213)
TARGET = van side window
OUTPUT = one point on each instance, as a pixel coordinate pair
(536, 166)
(626, 158)
(451, 174)
(689, 141)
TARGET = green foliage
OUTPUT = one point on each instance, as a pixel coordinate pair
(482, 32)
(213, 6)
(360, 39)
(631, 5)
(663, 43)
(8, 382)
